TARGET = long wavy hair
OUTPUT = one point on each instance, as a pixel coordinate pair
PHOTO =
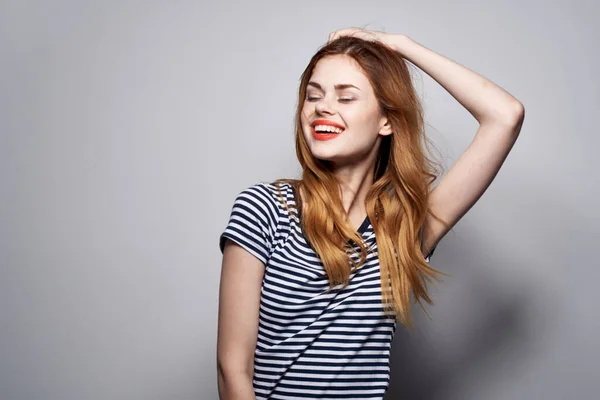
(397, 201)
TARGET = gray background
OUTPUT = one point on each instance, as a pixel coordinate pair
(127, 129)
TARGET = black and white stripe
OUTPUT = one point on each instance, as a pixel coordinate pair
(312, 343)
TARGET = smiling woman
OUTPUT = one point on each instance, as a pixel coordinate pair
(317, 271)
(337, 82)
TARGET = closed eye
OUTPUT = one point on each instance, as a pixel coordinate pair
(343, 99)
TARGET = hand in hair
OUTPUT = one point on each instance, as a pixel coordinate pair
(388, 39)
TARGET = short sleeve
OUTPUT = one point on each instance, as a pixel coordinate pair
(252, 222)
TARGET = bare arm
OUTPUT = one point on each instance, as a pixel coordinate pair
(487, 102)
(239, 299)
(500, 118)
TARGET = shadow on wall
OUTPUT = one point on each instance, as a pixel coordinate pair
(477, 321)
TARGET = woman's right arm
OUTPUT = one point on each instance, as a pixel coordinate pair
(239, 301)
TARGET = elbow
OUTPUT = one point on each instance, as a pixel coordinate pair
(511, 115)
(515, 113)
(518, 114)
(234, 385)
(517, 118)
(238, 364)
(233, 375)
(228, 370)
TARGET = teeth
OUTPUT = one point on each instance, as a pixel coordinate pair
(327, 128)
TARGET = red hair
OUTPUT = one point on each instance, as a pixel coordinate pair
(397, 201)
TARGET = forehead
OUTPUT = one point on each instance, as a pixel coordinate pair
(339, 69)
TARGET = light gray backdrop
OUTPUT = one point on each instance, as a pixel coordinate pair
(127, 129)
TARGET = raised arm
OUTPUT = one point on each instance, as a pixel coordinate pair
(500, 118)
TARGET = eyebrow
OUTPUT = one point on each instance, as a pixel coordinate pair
(339, 86)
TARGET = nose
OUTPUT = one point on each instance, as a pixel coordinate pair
(323, 106)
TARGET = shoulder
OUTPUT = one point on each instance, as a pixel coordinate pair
(269, 192)
(280, 193)
(271, 199)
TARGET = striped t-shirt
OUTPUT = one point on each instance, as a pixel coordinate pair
(312, 343)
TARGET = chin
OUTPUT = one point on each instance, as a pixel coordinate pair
(331, 155)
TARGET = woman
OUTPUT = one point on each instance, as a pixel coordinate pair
(308, 299)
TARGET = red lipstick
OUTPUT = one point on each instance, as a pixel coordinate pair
(328, 135)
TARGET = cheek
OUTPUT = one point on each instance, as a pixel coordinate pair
(306, 109)
(304, 123)
(305, 113)
(359, 122)
(368, 122)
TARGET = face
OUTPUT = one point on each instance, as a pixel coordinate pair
(341, 119)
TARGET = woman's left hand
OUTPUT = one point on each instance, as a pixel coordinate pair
(389, 39)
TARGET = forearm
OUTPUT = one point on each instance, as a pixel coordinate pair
(485, 100)
(235, 386)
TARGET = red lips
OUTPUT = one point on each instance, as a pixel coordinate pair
(325, 136)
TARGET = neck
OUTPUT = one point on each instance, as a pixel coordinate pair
(355, 181)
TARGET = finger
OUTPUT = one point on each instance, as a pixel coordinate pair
(344, 32)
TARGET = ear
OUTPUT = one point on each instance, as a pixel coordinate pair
(386, 128)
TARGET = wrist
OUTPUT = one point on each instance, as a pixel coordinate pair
(400, 41)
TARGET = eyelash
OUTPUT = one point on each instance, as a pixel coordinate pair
(313, 98)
